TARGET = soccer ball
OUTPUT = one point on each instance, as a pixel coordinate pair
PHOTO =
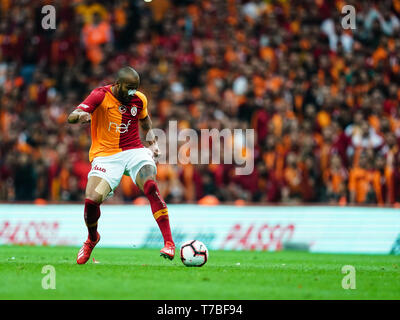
(194, 253)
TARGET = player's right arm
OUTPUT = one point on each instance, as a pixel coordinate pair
(82, 112)
(79, 116)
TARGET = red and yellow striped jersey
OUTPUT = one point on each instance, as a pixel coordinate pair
(114, 126)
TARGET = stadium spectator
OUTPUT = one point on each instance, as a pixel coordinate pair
(95, 34)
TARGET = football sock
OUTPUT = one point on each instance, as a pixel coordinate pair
(92, 215)
(159, 209)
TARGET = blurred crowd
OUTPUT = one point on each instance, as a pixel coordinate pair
(323, 100)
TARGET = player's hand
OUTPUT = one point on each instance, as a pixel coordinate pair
(155, 150)
(84, 117)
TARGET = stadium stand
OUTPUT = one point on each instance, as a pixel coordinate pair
(323, 100)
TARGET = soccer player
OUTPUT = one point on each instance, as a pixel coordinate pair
(115, 112)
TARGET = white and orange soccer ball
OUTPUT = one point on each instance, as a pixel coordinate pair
(194, 253)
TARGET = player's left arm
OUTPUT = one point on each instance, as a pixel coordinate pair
(149, 137)
(146, 127)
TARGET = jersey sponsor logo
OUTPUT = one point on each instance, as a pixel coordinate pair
(134, 111)
(122, 128)
(122, 109)
(99, 169)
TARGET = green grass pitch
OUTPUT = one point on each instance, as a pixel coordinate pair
(229, 275)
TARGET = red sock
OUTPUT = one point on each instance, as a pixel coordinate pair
(92, 214)
(159, 209)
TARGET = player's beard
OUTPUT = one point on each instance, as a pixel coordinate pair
(125, 99)
(120, 96)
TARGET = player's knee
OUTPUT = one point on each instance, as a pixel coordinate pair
(95, 197)
(146, 173)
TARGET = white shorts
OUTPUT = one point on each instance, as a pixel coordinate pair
(128, 162)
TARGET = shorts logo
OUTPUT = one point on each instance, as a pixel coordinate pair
(122, 109)
(98, 168)
(133, 111)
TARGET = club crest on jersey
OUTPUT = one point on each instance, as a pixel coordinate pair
(122, 109)
(133, 111)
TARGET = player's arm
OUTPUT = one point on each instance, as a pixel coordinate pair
(146, 127)
(82, 112)
(79, 116)
(149, 137)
